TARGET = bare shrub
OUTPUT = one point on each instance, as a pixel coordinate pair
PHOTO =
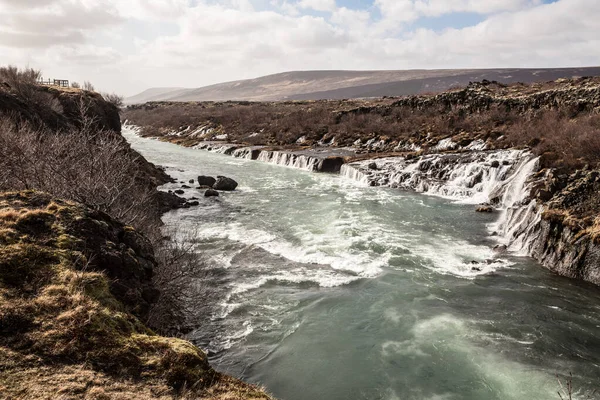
(114, 99)
(189, 286)
(75, 85)
(23, 82)
(94, 168)
(564, 142)
(16, 77)
(87, 85)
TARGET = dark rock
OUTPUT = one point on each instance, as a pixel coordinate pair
(179, 191)
(224, 183)
(501, 248)
(185, 187)
(544, 195)
(191, 181)
(193, 203)
(476, 269)
(485, 209)
(169, 201)
(150, 295)
(211, 193)
(495, 164)
(330, 164)
(206, 181)
(203, 187)
(372, 166)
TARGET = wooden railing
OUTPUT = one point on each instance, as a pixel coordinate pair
(54, 82)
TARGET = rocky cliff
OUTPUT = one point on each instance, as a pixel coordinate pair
(59, 108)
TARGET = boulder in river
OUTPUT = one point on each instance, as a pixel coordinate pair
(191, 181)
(206, 181)
(179, 191)
(224, 183)
(485, 209)
(501, 248)
(211, 193)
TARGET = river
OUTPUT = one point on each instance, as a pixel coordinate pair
(329, 289)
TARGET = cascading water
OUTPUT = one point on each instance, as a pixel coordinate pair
(494, 177)
(287, 159)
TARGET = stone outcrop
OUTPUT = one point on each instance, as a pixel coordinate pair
(206, 181)
(224, 183)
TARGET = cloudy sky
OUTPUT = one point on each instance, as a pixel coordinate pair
(129, 45)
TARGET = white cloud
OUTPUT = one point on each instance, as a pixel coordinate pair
(410, 10)
(125, 45)
(318, 5)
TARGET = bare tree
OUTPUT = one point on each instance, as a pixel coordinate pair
(75, 85)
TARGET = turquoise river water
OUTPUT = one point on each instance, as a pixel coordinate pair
(328, 289)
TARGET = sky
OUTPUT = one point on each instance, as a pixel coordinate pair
(126, 46)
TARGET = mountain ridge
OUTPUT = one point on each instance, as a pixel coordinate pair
(340, 84)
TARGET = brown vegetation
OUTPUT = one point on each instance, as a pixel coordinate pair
(113, 99)
(93, 168)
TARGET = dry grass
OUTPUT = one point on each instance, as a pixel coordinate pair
(64, 334)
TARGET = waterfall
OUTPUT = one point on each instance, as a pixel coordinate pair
(286, 159)
(355, 174)
(518, 215)
(499, 178)
(474, 178)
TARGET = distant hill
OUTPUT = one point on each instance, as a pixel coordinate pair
(317, 85)
(152, 94)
